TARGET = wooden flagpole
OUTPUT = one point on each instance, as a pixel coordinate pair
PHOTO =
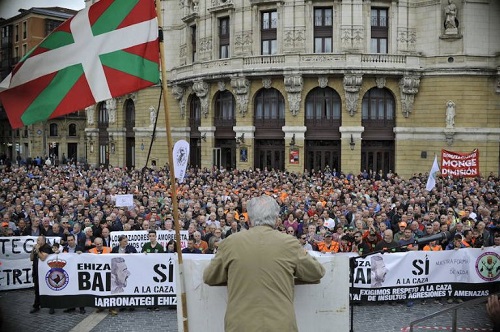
(181, 285)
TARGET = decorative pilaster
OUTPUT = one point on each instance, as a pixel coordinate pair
(201, 89)
(178, 92)
(89, 112)
(293, 87)
(409, 88)
(241, 89)
(111, 107)
(352, 85)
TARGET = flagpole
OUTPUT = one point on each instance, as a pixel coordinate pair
(173, 187)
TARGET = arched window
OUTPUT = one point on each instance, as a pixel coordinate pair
(103, 115)
(129, 113)
(53, 129)
(269, 105)
(194, 112)
(224, 109)
(72, 130)
(323, 104)
(378, 106)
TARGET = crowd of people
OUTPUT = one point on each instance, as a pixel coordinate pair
(327, 211)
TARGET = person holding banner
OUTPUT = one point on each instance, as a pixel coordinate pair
(260, 267)
(40, 251)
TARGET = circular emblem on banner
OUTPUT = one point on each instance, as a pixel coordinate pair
(57, 278)
(488, 266)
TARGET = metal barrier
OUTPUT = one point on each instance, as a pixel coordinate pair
(454, 310)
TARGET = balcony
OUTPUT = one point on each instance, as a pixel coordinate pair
(312, 64)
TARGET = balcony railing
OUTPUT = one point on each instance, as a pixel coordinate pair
(316, 63)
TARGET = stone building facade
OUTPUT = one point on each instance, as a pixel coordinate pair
(295, 85)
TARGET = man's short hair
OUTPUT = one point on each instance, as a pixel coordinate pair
(152, 231)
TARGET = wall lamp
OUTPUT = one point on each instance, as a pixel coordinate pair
(292, 141)
(204, 137)
(352, 144)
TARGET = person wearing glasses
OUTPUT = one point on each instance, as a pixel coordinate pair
(250, 272)
(303, 242)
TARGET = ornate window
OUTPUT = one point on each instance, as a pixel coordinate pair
(322, 106)
(103, 114)
(224, 38)
(269, 108)
(72, 130)
(194, 112)
(379, 30)
(268, 28)
(378, 106)
(129, 114)
(53, 129)
(323, 30)
(224, 109)
(193, 43)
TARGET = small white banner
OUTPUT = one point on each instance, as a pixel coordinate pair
(125, 200)
(181, 157)
(138, 238)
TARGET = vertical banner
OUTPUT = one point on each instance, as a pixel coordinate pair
(455, 164)
(181, 156)
(294, 156)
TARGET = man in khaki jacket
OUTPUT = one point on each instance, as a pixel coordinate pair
(259, 267)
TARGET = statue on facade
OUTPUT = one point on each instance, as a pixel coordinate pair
(450, 114)
(451, 22)
(152, 116)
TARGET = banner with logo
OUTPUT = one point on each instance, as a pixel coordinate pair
(139, 238)
(455, 164)
(15, 263)
(420, 274)
(107, 281)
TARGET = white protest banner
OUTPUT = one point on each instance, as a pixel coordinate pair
(138, 238)
(422, 274)
(181, 157)
(124, 200)
(106, 281)
(15, 264)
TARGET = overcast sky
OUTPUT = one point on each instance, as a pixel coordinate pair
(9, 8)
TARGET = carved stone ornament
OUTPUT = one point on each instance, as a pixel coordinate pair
(409, 88)
(267, 83)
(178, 92)
(380, 81)
(322, 81)
(449, 135)
(111, 107)
(293, 87)
(352, 85)
(241, 89)
(201, 89)
(89, 112)
(221, 85)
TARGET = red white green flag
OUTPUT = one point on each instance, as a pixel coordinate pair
(106, 50)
